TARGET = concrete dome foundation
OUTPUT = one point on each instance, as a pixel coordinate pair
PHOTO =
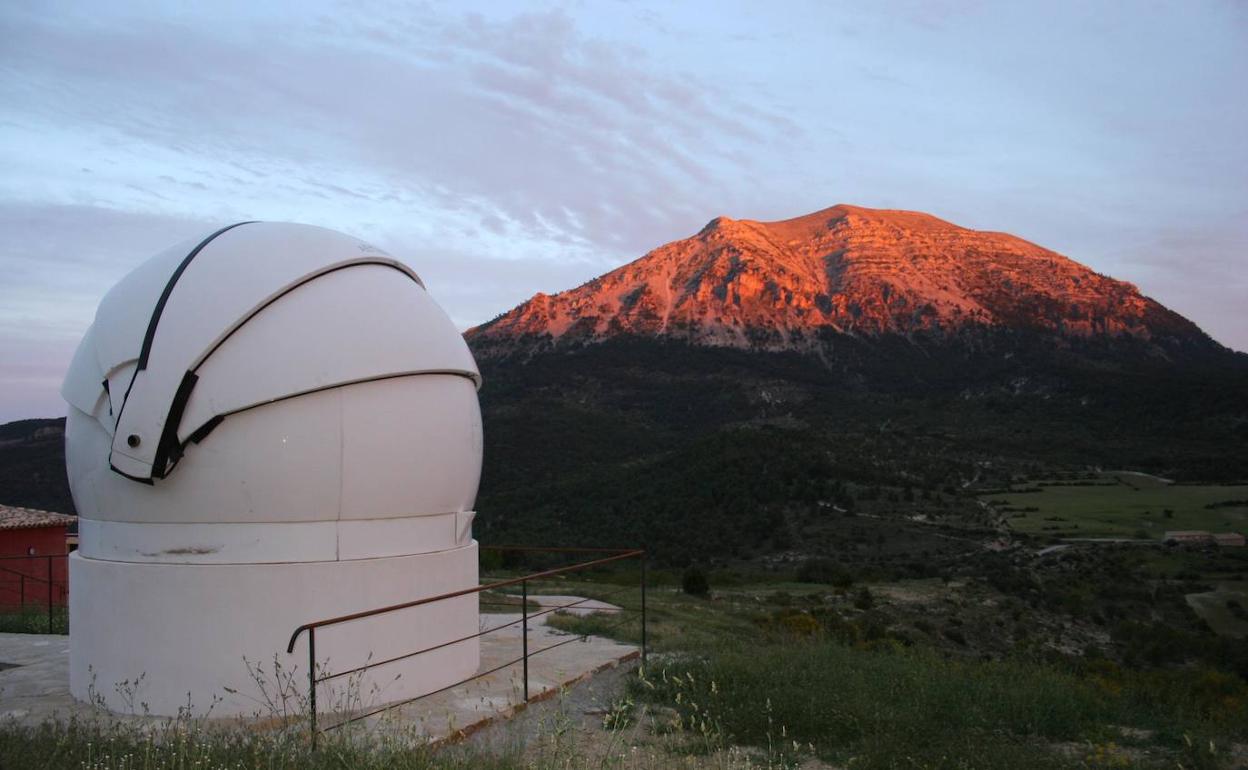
(192, 636)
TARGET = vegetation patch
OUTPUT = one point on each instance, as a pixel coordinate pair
(889, 707)
(182, 746)
(1121, 506)
(35, 620)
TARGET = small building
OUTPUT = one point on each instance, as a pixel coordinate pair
(1225, 539)
(32, 557)
(1188, 536)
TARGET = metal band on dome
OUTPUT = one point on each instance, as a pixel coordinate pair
(201, 433)
(292, 287)
(150, 335)
(170, 450)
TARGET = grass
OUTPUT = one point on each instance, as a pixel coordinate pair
(178, 746)
(34, 620)
(879, 705)
(719, 680)
(1215, 608)
(674, 621)
(859, 708)
(608, 624)
(1130, 506)
(498, 603)
(908, 708)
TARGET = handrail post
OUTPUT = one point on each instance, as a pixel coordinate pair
(643, 611)
(312, 684)
(524, 633)
(49, 593)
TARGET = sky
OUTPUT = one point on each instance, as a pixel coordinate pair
(503, 149)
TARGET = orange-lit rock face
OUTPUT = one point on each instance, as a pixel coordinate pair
(776, 285)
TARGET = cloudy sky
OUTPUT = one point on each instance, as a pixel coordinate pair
(507, 148)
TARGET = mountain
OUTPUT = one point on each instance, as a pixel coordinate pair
(762, 387)
(32, 465)
(797, 284)
(839, 382)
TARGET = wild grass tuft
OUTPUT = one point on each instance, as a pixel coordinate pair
(916, 708)
(177, 746)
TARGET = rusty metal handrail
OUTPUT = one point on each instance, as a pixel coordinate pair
(523, 581)
(440, 645)
(619, 555)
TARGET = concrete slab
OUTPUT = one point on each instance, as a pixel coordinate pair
(575, 605)
(37, 687)
(557, 660)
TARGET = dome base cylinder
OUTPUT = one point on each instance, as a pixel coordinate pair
(211, 638)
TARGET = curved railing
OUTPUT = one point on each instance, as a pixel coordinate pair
(609, 556)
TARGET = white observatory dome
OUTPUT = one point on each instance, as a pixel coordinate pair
(268, 426)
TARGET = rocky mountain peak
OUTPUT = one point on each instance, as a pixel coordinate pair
(844, 270)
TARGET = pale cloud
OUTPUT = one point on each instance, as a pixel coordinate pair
(507, 150)
(524, 120)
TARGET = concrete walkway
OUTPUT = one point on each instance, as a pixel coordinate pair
(36, 688)
(38, 683)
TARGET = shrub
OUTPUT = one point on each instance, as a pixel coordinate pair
(694, 582)
(795, 623)
(824, 571)
(1236, 609)
(955, 636)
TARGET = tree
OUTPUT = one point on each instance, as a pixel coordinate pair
(694, 582)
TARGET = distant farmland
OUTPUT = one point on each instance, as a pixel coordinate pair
(1120, 505)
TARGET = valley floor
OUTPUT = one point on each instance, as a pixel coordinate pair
(931, 632)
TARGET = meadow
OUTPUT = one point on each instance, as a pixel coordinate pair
(1119, 506)
(1225, 608)
(812, 672)
(888, 707)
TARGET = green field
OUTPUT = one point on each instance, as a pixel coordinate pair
(1216, 608)
(1119, 505)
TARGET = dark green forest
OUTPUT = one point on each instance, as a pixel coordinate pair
(700, 452)
(705, 453)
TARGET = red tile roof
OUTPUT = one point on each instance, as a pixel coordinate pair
(12, 517)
